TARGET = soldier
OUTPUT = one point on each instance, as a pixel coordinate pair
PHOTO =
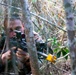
(16, 24)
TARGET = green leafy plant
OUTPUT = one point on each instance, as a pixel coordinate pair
(58, 49)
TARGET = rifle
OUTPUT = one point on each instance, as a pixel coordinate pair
(20, 42)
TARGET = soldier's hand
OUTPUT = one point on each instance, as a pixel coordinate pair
(22, 55)
(6, 55)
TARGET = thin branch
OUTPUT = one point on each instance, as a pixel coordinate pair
(48, 21)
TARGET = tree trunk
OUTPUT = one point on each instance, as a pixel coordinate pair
(30, 38)
(71, 33)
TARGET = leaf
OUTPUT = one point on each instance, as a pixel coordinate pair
(66, 57)
(66, 50)
(56, 50)
(58, 54)
(64, 53)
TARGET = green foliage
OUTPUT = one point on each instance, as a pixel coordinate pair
(58, 49)
(62, 52)
(54, 42)
(58, 54)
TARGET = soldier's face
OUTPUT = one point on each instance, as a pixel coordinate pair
(15, 25)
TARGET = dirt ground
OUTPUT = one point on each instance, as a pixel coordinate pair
(64, 67)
